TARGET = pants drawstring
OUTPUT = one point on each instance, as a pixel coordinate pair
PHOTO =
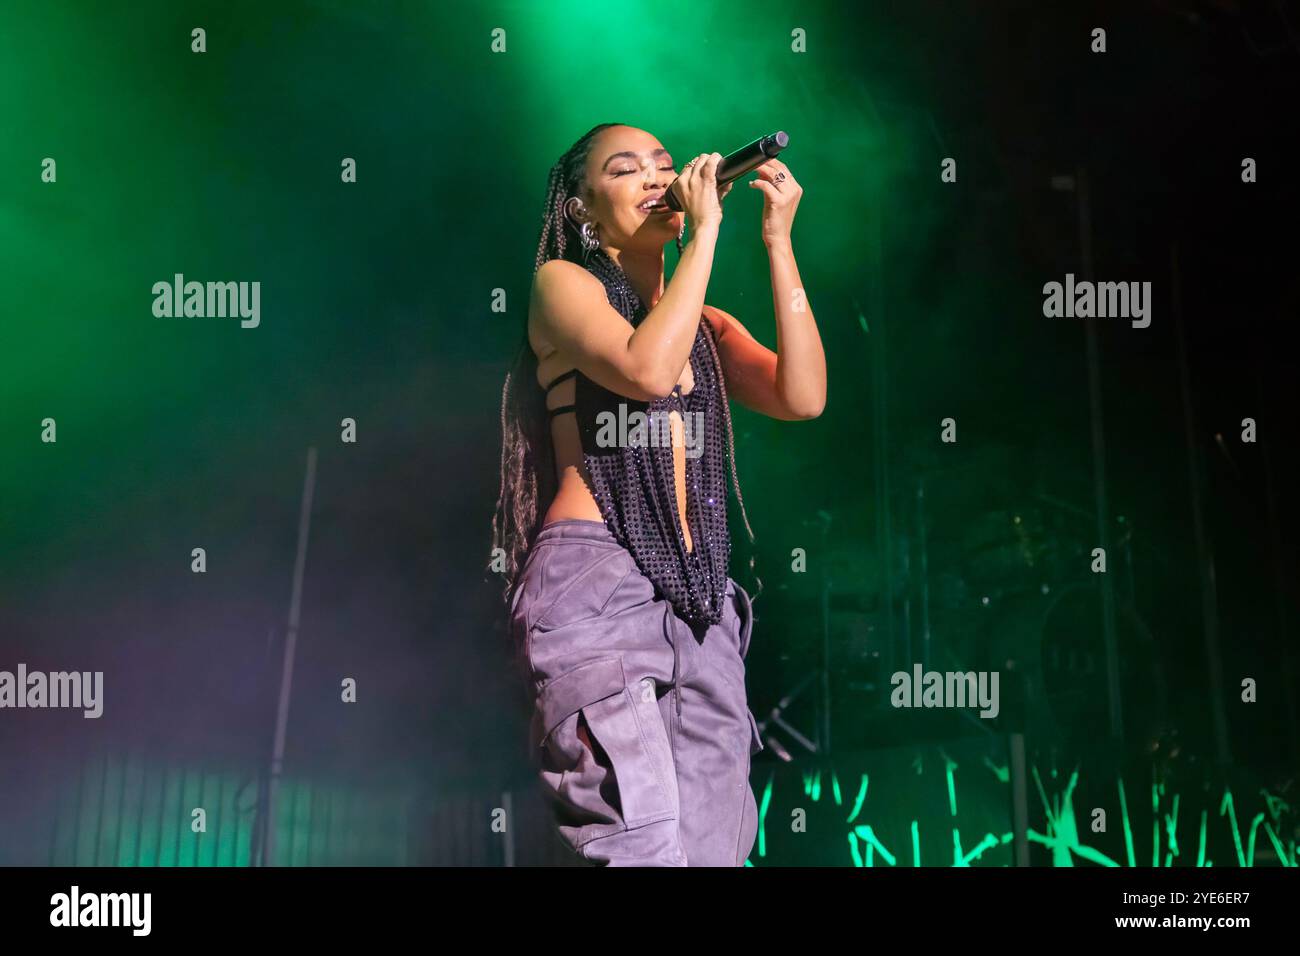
(672, 638)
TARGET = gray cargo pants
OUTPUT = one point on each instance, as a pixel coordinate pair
(664, 779)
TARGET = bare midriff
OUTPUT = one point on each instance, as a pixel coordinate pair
(573, 495)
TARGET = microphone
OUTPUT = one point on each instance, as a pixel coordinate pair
(735, 165)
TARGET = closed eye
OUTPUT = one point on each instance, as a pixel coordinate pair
(625, 172)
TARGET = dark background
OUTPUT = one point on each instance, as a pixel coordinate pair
(376, 301)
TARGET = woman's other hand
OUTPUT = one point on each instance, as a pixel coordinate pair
(781, 194)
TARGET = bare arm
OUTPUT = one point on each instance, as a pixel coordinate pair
(800, 380)
(789, 383)
(759, 378)
(644, 363)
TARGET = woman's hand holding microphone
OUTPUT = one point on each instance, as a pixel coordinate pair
(701, 198)
(697, 188)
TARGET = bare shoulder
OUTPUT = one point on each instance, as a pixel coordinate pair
(563, 295)
(553, 269)
(569, 304)
(557, 281)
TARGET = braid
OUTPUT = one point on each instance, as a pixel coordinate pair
(527, 457)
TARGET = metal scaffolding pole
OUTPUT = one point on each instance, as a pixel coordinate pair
(1204, 551)
(286, 672)
(1114, 691)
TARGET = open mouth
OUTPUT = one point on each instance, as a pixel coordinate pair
(654, 205)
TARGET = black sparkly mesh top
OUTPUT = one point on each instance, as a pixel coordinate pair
(632, 470)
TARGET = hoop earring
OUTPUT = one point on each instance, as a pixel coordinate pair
(589, 238)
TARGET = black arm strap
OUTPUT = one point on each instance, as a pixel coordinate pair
(561, 378)
(552, 412)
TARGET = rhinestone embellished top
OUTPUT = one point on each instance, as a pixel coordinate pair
(633, 481)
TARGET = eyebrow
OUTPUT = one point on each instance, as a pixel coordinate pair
(627, 153)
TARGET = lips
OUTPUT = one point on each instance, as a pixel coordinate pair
(654, 203)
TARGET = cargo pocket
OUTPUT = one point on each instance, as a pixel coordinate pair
(622, 782)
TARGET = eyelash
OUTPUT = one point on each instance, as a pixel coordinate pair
(628, 172)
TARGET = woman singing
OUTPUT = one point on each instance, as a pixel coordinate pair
(613, 534)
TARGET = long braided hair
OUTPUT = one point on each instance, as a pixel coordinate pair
(527, 456)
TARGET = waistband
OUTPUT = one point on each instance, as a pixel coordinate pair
(588, 530)
(580, 528)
